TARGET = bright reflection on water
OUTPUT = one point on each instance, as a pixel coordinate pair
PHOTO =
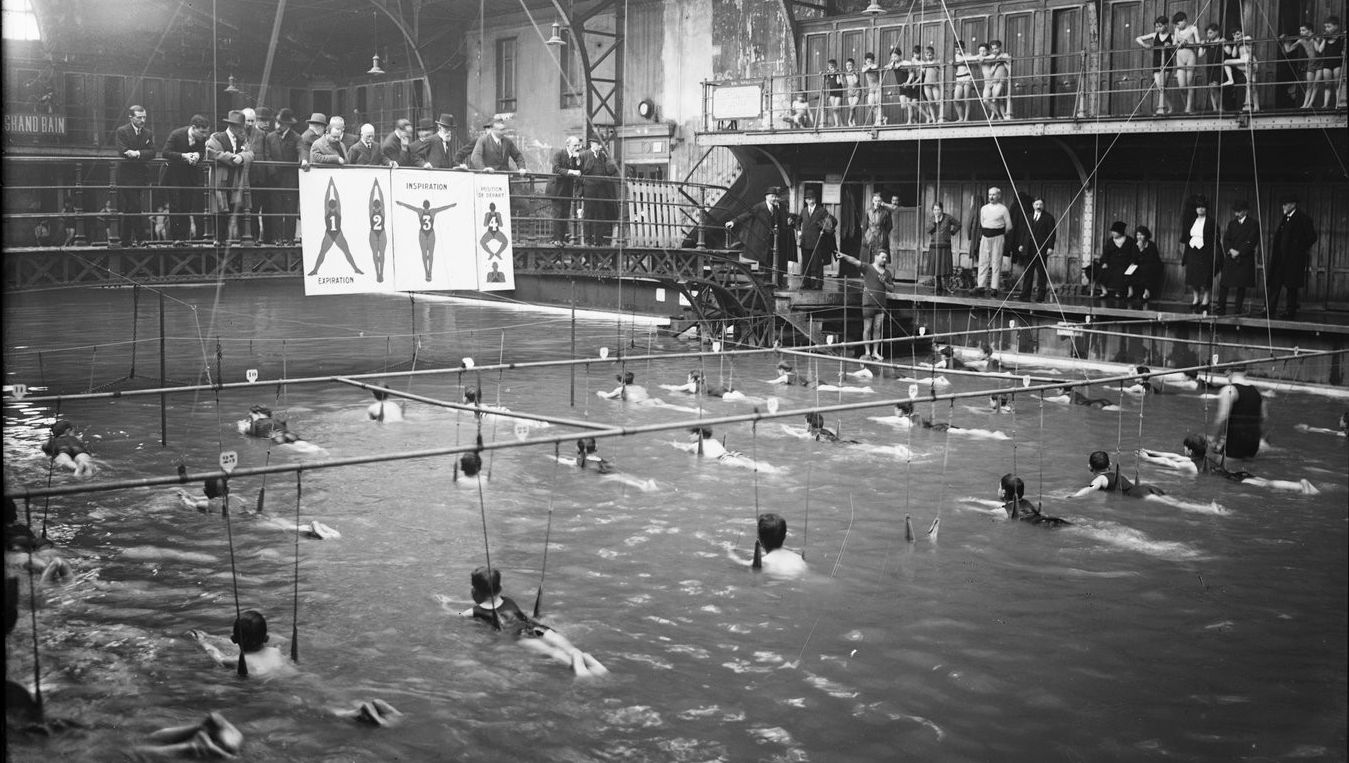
(1141, 632)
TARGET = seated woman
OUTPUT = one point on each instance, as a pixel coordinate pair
(68, 451)
(383, 410)
(1194, 459)
(770, 555)
(504, 614)
(1013, 494)
(261, 424)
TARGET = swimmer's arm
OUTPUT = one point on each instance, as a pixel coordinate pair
(1162, 458)
(735, 556)
(780, 380)
(1097, 483)
(211, 650)
(617, 392)
(188, 502)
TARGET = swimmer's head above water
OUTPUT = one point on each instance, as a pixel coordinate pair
(260, 412)
(61, 427)
(704, 433)
(624, 378)
(1011, 487)
(381, 393)
(214, 487)
(772, 531)
(486, 586)
(904, 409)
(472, 395)
(1098, 461)
(815, 420)
(250, 631)
(1196, 445)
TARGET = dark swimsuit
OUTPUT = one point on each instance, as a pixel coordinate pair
(1118, 483)
(67, 444)
(1025, 511)
(1163, 53)
(1207, 466)
(1243, 423)
(1332, 54)
(512, 619)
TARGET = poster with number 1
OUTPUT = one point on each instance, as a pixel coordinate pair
(344, 225)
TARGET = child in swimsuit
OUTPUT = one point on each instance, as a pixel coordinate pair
(833, 93)
(964, 82)
(997, 70)
(1162, 44)
(1187, 47)
(68, 451)
(852, 81)
(1330, 63)
(930, 76)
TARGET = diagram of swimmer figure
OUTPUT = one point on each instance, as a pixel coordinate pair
(495, 275)
(426, 214)
(332, 230)
(492, 222)
(379, 237)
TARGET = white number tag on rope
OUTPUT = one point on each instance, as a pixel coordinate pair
(913, 390)
(922, 330)
(228, 460)
(1025, 381)
(251, 375)
(1215, 358)
(716, 347)
(1011, 324)
(604, 353)
(467, 362)
(521, 430)
(773, 405)
(21, 390)
(830, 339)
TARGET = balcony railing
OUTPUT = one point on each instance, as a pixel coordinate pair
(1103, 85)
(55, 202)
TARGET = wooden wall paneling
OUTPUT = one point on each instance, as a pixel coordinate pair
(888, 38)
(643, 76)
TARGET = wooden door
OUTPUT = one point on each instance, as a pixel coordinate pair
(890, 37)
(854, 47)
(1065, 63)
(904, 243)
(1019, 42)
(813, 55)
(1128, 80)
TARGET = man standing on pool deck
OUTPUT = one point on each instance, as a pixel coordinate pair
(427, 234)
(876, 280)
(332, 230)
(1240, 421)
(995, 222)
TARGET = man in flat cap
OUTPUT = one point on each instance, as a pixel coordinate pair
(397, 145)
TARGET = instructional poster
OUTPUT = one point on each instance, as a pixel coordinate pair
(376, 229)
(495, 265)
(344, 225)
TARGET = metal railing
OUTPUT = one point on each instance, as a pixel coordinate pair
(1083, 85)
(55, 202)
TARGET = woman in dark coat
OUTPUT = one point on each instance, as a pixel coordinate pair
(1146, 282)
(1117, 255)
(1201, 256)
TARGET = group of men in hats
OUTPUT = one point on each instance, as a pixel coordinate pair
(253, 161)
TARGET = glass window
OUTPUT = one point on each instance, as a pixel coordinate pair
(19, 21)
(505, 74)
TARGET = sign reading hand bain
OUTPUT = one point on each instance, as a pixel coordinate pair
(377, 229)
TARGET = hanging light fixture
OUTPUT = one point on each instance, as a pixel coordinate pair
(374, 65)
(556, 40)
(231, 88)
(874, 9)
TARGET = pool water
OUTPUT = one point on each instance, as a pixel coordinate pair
(1142, 631)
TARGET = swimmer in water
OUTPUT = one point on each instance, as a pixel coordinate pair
(250, 633)
(1012, 492)
(773, 559)
(1341, 432)
(213, 737)
(697, 384)
(1144, 384)
(261, 424)
(815, 428)
(789, 376)
(587, 453)
(1077, 398)
(215, 490)
(626, 390)
(986, 361)
(383, 410)
(490, 606)
(1107, 480)
(1195, 460)
(68, 451)
(946, 358)
(999, 403)
(26, 551)
(906, 410)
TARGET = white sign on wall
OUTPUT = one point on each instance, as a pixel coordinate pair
(737, 101)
